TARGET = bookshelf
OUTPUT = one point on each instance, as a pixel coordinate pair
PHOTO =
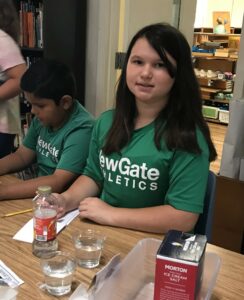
(31, 20)
(55, 29)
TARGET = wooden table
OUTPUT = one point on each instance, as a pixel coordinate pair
(18, 256)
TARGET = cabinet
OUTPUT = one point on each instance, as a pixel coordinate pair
(214, 59)
(228, 222)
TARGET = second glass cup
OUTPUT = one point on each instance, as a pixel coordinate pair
(58, 271)
(88, 245)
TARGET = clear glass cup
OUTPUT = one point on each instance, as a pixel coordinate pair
(88, 245)
(58, 272)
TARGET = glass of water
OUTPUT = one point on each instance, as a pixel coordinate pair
(58, 271)
(88, 245)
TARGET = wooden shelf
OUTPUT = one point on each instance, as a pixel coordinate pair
(32, 49)
(215, 83)
(212, 57)
(203, 30)
(215, 121)
(202, 54)
(210, 90)
(227, 40)
(225, 101)
(217, 34)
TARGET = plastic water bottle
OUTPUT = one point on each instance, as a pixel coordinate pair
(45, 223)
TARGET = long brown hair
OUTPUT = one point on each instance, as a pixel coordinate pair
(178, 121)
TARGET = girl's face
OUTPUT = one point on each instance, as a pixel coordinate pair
(146, 75)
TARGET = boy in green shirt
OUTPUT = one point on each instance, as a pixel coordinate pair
(59, 134)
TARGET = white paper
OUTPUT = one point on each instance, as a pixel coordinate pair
(25, 234)
(9, 277)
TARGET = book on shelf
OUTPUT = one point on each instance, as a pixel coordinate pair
(221, 54)
(31, 23)
(206, 54)
(39, 27)
(31, 59)
(31, 29)
(226, 52)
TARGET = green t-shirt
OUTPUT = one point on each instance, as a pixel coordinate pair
(143, 176)
(66, 148)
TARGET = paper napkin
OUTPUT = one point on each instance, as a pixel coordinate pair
(25, 234)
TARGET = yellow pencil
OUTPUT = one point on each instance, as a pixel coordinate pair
(17, 213)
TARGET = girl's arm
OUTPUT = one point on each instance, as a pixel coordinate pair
(154, 219)
(158, 219)
(83, 187)
(11, 87)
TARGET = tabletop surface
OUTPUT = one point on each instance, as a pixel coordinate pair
(18, 255)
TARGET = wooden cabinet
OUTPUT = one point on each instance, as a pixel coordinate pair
(228, 223)
(214, 58)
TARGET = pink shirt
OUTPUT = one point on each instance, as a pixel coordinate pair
(10, 56)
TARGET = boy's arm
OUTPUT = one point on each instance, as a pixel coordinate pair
(17, 161)
(59, 181)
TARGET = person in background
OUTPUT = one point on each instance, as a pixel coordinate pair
(59, 135)
(148, 161)
(12, 67)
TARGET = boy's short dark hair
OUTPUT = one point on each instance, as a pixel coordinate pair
(50, 79)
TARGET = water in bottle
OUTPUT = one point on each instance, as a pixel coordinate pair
(44, 220)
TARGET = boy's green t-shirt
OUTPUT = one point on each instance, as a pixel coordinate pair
(66, 148)
(143, 176)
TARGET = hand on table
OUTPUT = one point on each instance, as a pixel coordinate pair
(61, 205)
(96, 210)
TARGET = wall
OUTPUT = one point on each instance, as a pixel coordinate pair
(205, 8)
(187, 17)
(102, 42)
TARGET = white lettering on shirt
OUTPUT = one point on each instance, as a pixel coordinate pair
(124, 172)
(47, 148)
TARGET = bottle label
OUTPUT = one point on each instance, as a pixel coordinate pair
(45, 228)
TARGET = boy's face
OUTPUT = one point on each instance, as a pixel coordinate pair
(47, 111)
